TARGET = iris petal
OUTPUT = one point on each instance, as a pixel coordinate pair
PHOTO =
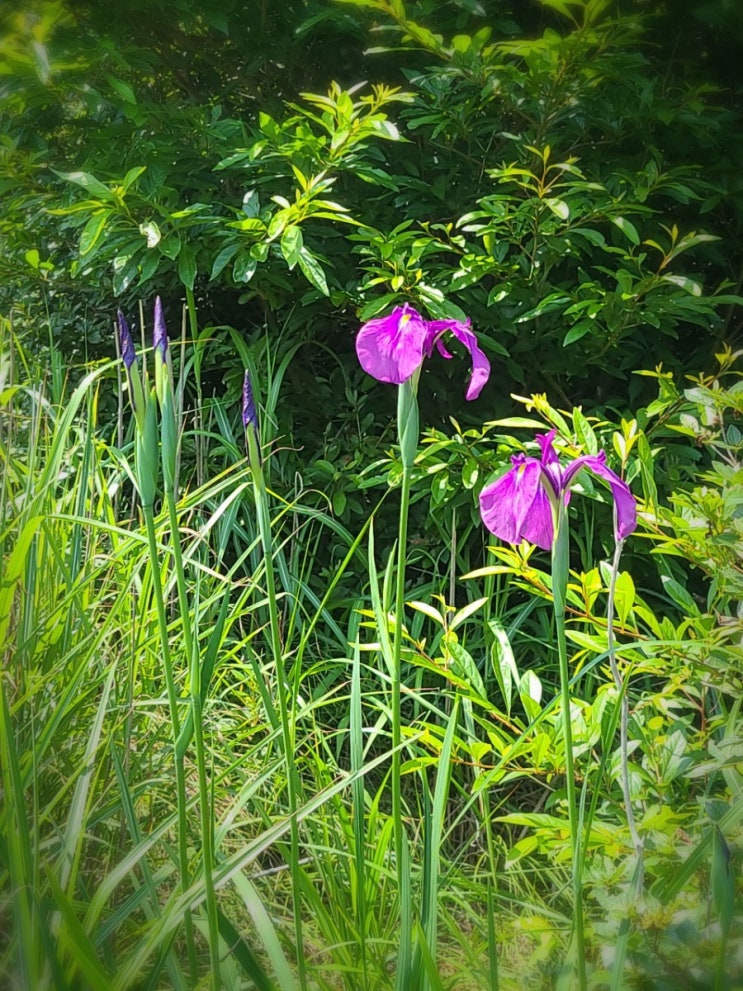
(624, 501)
(391, 348)
(538, 526)
(516, 503)
(464, 333)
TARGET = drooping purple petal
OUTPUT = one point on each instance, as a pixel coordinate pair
(624, 501)
(516, 507)
(442, 349)
(125, 341)
(160, 333)
(463, 333)
(391, 348)
(250, 414)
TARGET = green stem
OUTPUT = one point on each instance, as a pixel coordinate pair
(264, 526)
(194, 661)
(407, 432)
(560, 573)
(180, 775)
(207, 838)
(180, 580)
(402, 537)
(624, 722)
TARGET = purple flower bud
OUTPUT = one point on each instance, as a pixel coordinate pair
(160, 334)
(125, 341)
(250, 414)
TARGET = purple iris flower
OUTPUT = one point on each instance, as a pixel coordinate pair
(392, 348)
(125, 341)
(520, 505)
(250, 414)
(160, 333)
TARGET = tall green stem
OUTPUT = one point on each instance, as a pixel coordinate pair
(207, 837)
(407, 431)
(194, 661)
(560, 573)
(402, 538)
(180, 776)
(624, 721)
(264, 526)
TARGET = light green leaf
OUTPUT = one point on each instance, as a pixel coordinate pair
(558, 207)
(125, 271)
(88, 182)
(688, 284)
(244, 268)
(470, 473)
(428, 610)
(249, 225)
(577, 331)
(291, 244)
(313, 271)
(132, 176)
(251, 203)
(151, 231)
(92, 232)
(466, 611)
(624, 596)
(276, 227)
(628, 229)
(504, 663)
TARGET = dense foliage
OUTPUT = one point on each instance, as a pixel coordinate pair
(565, 173)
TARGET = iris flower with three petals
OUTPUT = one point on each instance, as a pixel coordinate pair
(521, 505)
(392, 348)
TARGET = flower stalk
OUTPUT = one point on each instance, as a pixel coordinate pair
(407, 427)
(146, 471)
(530, 502)
(560, 575)
(392, 349)
(251, 425)
(624, 715)
(165, 391)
